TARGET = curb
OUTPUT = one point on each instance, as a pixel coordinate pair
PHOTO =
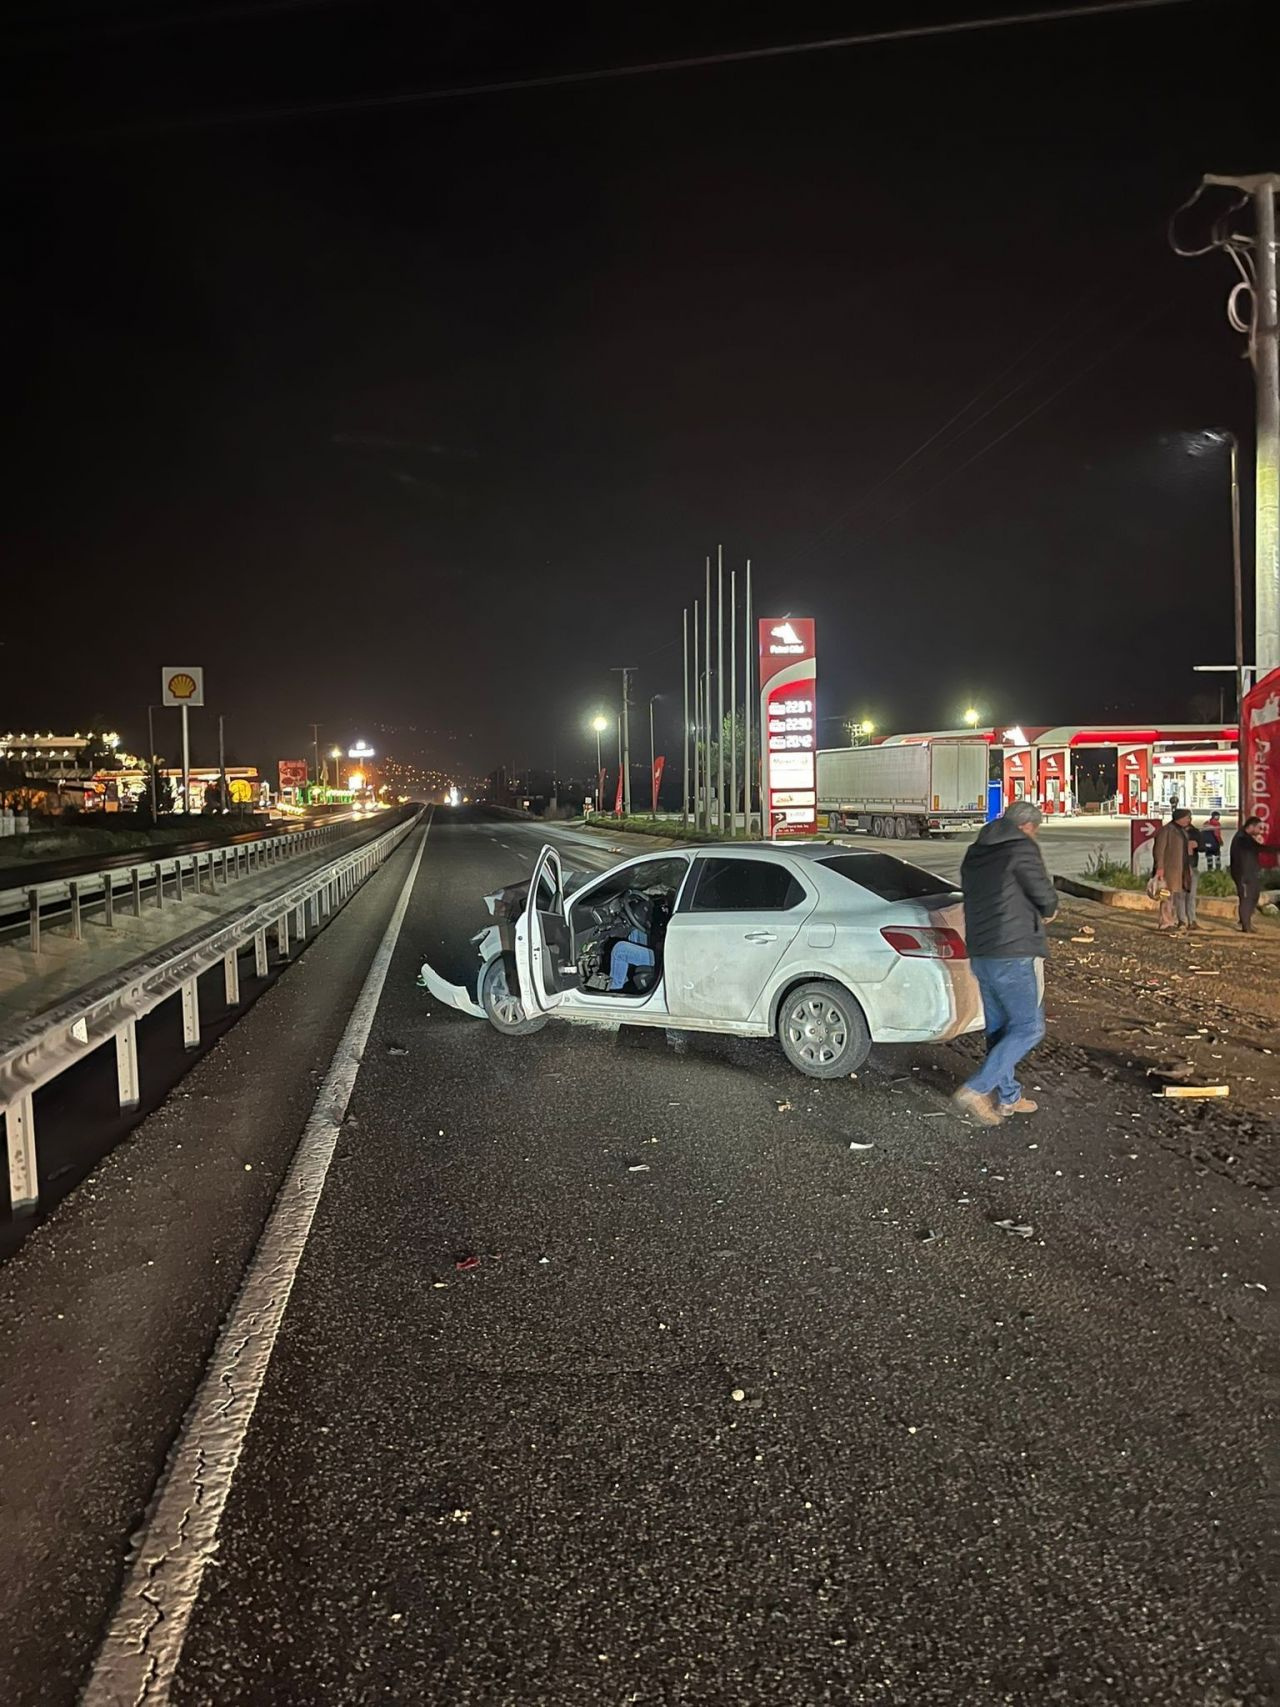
(1137, 900)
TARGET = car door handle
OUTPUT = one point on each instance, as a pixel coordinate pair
(760, 936)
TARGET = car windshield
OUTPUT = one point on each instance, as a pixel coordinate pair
(889, 878)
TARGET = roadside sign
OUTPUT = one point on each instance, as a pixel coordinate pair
(293, 773)
(182, 684)
(1142, 832)
(788, 722)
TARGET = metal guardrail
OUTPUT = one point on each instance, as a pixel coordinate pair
(56, 1040)
(157, 877)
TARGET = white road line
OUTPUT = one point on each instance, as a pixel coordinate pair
(143, 1643)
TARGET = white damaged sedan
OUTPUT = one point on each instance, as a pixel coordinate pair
(826, 948)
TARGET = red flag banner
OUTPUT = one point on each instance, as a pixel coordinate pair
(1260, 733)
(659, 765)
(617, 799)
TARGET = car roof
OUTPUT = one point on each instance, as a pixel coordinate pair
(802, 850)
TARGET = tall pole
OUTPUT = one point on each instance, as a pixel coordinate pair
(684, 649)
(748, 664)
(706, 687)
(653, 768)
(697, 724)
(186, 762)
(720, 687)
(599, 772)
(626, 671)
(733, 702)
(151, 743)
(315, 742)
(1238, 587)
(222, 770)
(1266, 358)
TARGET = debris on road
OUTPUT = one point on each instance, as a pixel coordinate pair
(638, 1168)
(784, 1107)
(465, 1264)
(854, 1145)
(396, 1049)
(1017, 1229)
(737, 1395)
(1194, 1091)
(930, 1236)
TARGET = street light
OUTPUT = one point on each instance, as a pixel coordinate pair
(971, 717)
(335, 753)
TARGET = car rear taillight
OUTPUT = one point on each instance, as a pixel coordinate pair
(922, 942)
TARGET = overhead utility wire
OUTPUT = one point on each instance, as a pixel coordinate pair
(645, 68)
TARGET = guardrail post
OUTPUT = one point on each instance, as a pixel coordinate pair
(20, 1130)
(231, 976)
(190, 1014)
(282, 936)
(300, 922)
(127, 1083)
(135, 876)
(314, 905)
(177, 872)
(73, 890)
(33, 915)
(261, 965)
(108, 902)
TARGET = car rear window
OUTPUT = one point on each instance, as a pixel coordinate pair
(889, 878)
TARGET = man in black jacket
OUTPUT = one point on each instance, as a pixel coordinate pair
(1246, 869)
(1008, 898)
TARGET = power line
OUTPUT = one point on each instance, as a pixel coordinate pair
(1086, 301)
(645, 68)
(1112, 349)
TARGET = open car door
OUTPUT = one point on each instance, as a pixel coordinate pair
(541, 932)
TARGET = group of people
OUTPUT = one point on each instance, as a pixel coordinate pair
(1177, 851)
(1009, 898)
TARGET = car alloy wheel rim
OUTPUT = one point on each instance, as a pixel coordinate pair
(505, 1004)
(818, 1030)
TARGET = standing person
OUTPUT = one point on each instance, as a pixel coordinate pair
(1171, 851)
(1211, 842)
(1008, 898)
(1246, 870)
(1193, 845)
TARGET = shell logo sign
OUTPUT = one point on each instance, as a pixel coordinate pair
(182, 684)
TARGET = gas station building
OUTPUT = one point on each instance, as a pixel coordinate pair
(1195, 764)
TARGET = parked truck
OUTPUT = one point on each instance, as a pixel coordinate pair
(903, 791)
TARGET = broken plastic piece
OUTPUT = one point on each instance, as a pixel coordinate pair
(1018, 1229)
(465, 1264)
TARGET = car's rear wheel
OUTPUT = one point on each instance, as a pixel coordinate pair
(502, 1006)
(900, 829)
(877, 826)
(823, 1031)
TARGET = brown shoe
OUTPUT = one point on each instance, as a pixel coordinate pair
(981, 1108)
(1024, 1105)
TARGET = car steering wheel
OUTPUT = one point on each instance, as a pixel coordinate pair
(631, 912)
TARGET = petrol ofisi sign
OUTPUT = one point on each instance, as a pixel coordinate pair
(788, 720)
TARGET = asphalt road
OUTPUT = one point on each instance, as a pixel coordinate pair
(966, 1466)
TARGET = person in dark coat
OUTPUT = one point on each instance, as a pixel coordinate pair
(1246, 867)
(1211, 842)
(1008, 899)
(1171, 851)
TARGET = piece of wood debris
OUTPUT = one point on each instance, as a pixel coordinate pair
(1194, 1091)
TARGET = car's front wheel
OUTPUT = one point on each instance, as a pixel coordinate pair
(823, 1031)
(502, 1005)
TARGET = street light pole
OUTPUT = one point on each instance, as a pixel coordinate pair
(685, 725)
(626, 671)
(653, 765)
(733, 702)
(749, 668)
(720, 688)
(697, 720)
(151, 742)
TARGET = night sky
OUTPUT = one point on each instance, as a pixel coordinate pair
(423, 416)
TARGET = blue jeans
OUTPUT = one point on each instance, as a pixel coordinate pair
(1015, 1022)
(624, 956)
